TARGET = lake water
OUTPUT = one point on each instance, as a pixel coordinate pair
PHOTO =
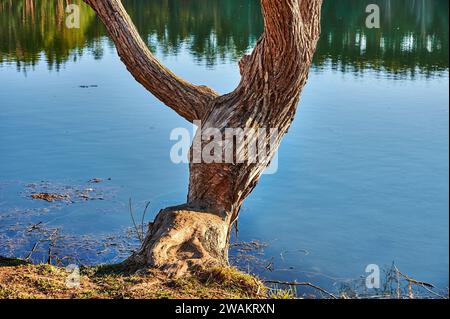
(363, 173)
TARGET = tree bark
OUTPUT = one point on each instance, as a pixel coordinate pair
(188, 100)
(196, 234)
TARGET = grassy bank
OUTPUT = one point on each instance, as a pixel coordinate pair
(22, 280)
(19, 279)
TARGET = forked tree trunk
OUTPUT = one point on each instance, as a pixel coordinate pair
(196, 234)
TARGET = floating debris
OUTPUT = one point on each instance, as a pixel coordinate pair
(96, 180)
(49, 197)
(53, 192)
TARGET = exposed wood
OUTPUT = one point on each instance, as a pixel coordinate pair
(182, 239)
(267, 96)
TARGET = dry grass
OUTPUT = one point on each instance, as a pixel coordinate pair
(19, 279)
(22, 280)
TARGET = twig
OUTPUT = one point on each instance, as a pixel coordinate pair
(399, 294)
(33, 227)
(52, 243)
(143, 218)
(308, 284)
(32, 250)
(134, 223)
(412, 280)
(427, 286)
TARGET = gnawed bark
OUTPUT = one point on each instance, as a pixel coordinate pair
(196, 234)
(184, 239)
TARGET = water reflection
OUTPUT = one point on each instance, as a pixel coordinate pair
(30, 29)
(413, 38)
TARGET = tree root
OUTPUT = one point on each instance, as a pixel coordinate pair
(183, 240)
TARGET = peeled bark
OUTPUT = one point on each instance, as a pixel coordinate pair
(184, 239)
(196, 234)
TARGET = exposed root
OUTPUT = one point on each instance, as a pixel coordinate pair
(183, 240)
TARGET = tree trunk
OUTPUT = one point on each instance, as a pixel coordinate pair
(196, 234)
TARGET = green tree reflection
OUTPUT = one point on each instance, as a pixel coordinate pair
(413, 38)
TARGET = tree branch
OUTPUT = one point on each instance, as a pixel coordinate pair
(291, 22)
(307, 284)
(190, 101)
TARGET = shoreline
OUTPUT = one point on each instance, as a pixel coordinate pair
(20, 279)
